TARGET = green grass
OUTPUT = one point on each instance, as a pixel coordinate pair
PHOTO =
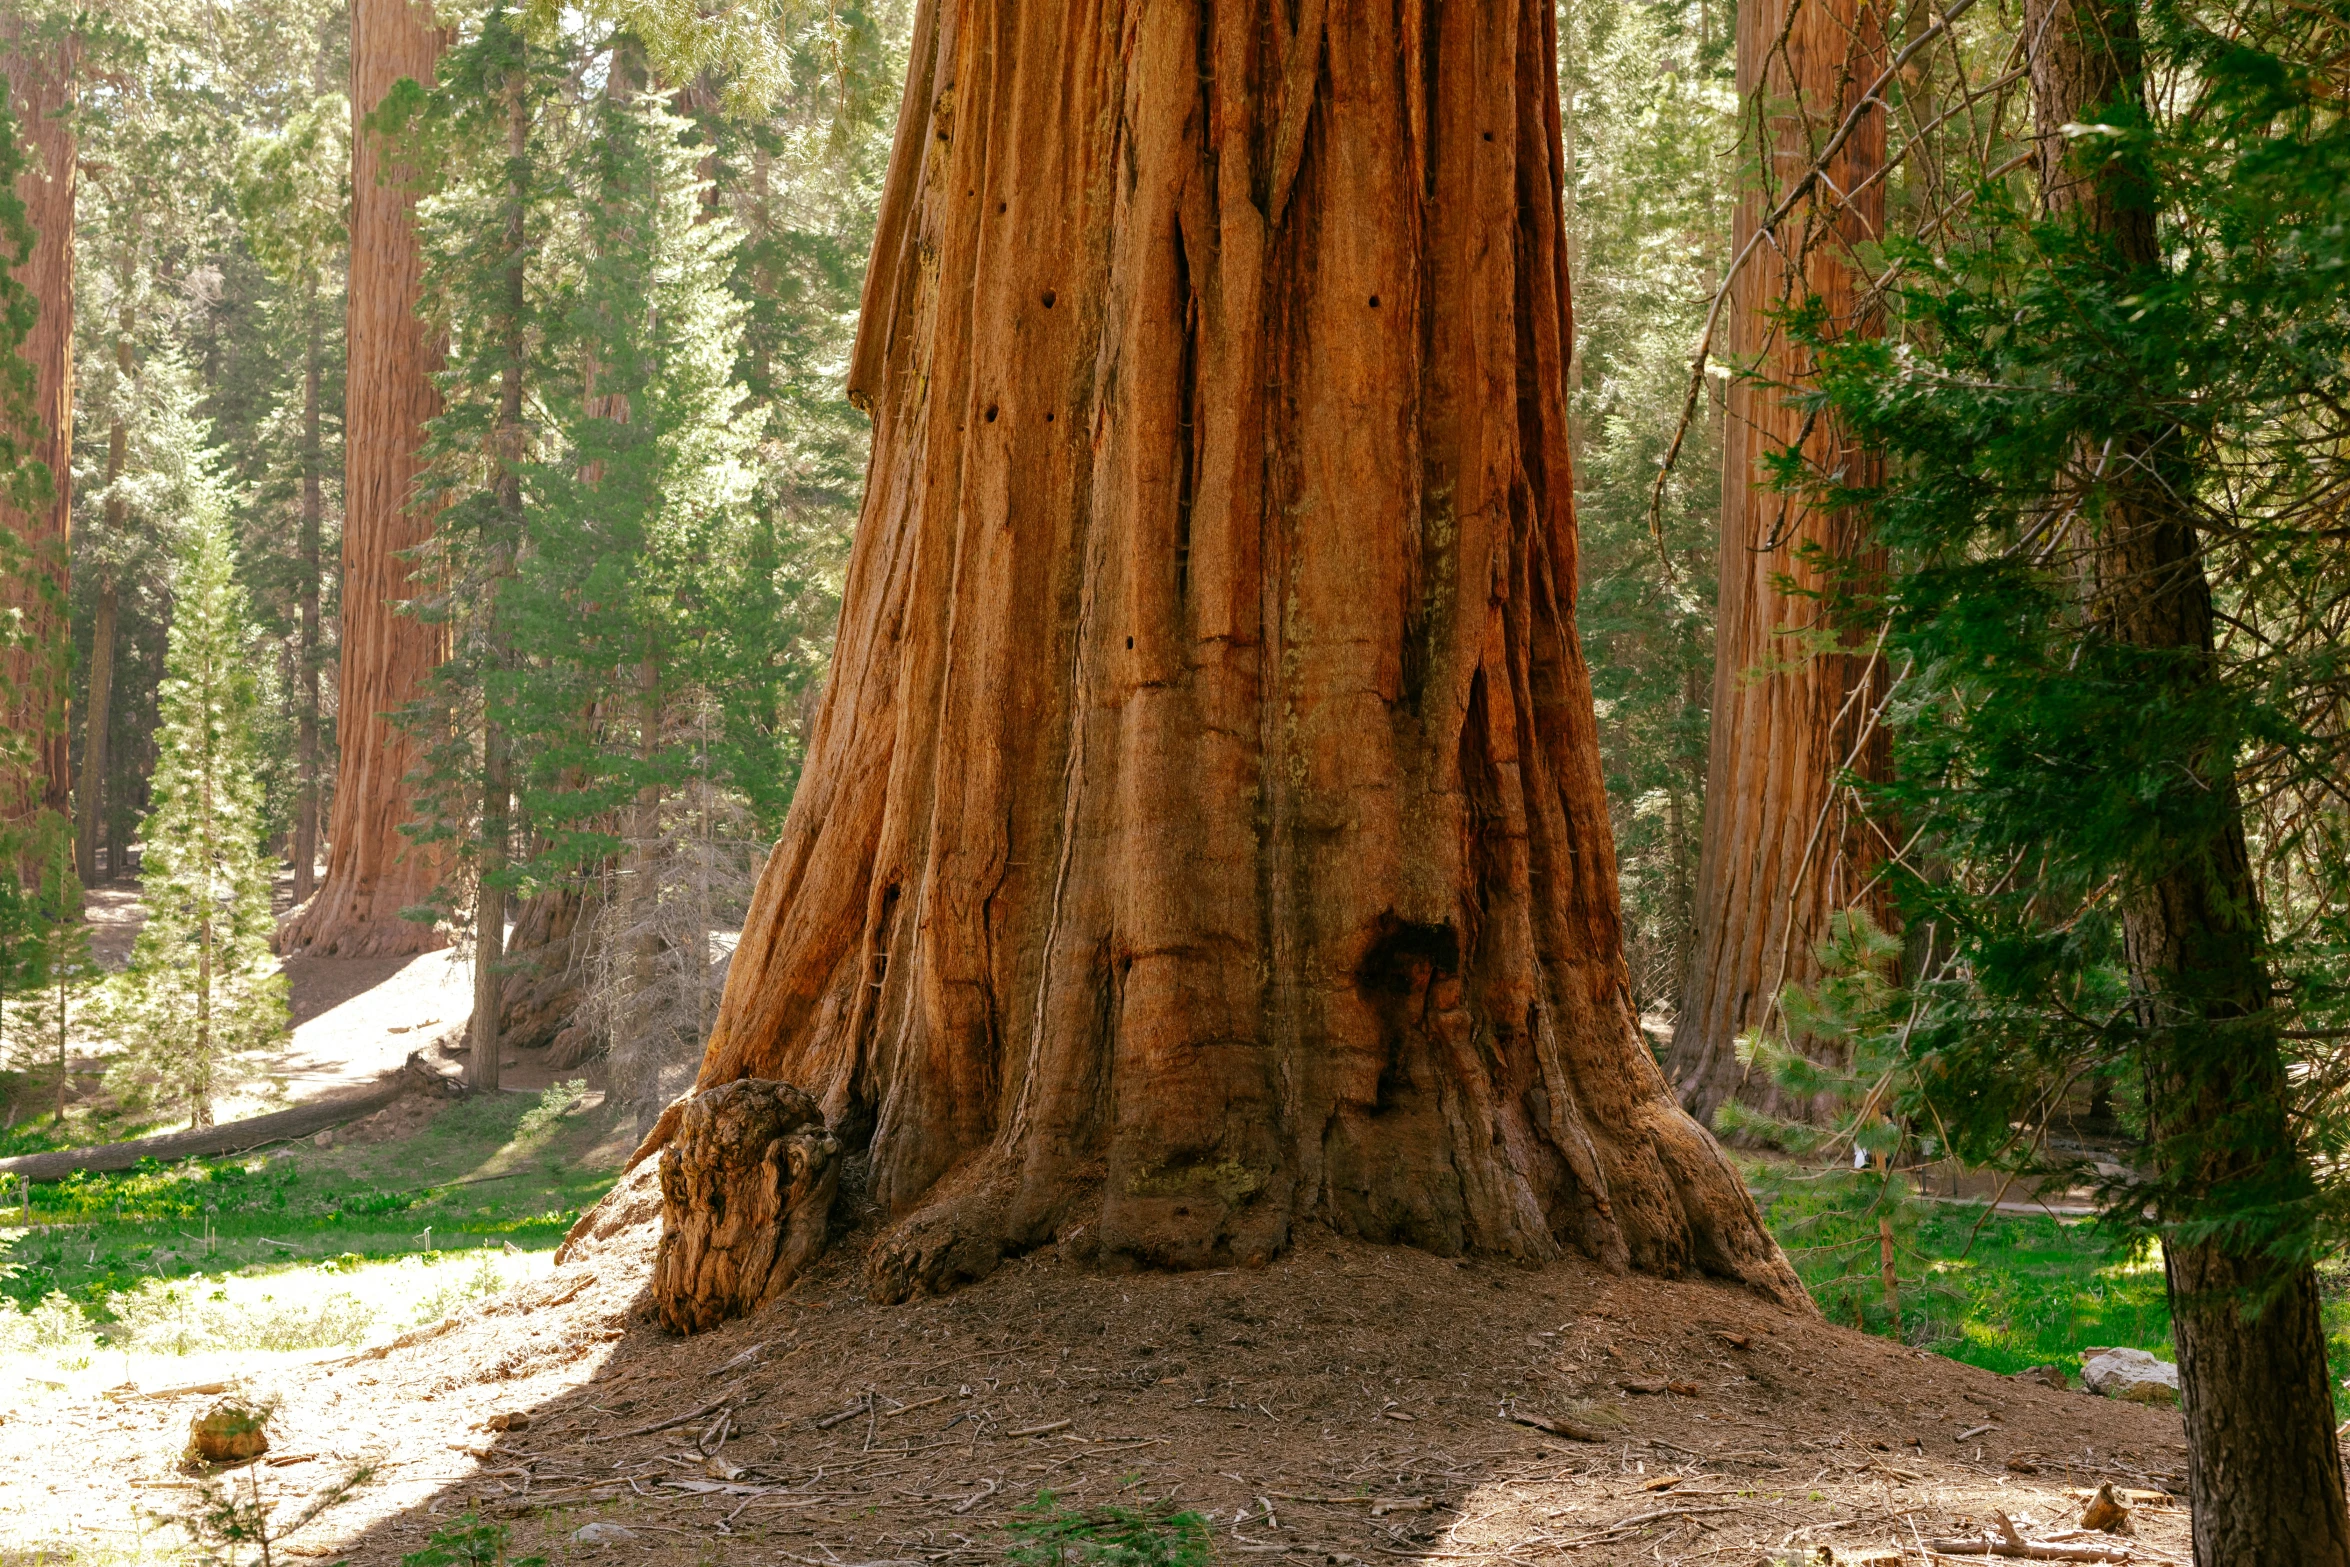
(2003, 1292)
(86, 1124)
(495, 1170)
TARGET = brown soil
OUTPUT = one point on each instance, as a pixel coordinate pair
(1360, 1391)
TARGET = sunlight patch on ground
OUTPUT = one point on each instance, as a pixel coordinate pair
(238, 1325)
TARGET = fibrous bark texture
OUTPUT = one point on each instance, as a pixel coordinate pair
(1783, 847)
(39, 72)
(747, 1185)
(2264, 1464)
(1203, 830)
(372, 873)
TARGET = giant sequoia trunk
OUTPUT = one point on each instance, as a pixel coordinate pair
(1782, 848)
(39, 73)
(2264, 1467)
(372, 873)
(1203, 831)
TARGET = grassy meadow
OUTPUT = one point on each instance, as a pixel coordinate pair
(302, 1247)
(308, 1248)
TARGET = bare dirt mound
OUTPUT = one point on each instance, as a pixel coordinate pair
(1346, 1404)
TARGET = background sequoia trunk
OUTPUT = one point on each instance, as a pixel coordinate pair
(1203, 830)
(1782, 851)
(39, 72)
(371, 871)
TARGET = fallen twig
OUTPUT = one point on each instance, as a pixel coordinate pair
(710, 1408)
(1554, 1425)
(852, 1412)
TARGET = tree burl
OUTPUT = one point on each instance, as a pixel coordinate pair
(1203, 830)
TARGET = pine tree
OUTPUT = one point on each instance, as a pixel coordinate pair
(2114, 433)
(64, 956)
(609, 581)
(291, 199)
(202, 991)
(634, 566)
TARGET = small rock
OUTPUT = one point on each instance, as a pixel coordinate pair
(323, 1140)
(2130, 1374)
(2046, 1376)
(602, 1534)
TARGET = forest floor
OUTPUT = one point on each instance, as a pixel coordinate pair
(1344, 1405)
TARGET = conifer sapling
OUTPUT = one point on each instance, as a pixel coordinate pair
(202, 992)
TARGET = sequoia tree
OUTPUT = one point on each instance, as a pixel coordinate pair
(372, 873)
(37, 65)
(1203, 830)
(1792, 698)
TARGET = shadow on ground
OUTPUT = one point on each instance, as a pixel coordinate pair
(1346, 1404)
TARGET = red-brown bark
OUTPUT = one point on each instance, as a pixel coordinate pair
(40, 76)
(372, 872)
(1783, 849)
(1203, 831)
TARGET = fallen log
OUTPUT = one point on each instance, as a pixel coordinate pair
(278, 1126)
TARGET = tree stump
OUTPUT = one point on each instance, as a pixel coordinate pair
(746, 1192)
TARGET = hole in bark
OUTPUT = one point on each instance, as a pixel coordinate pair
(1048, 299)
(991, 413)
(999, 206)
(1400, 953)
(1129, 644)
(1489, 135)
(1048, 418)
(1374, 301)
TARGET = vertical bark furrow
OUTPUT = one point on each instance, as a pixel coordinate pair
(1207, 676)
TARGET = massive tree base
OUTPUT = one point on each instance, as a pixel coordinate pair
(1203, 832)
(746, 1195)
(315, 931)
